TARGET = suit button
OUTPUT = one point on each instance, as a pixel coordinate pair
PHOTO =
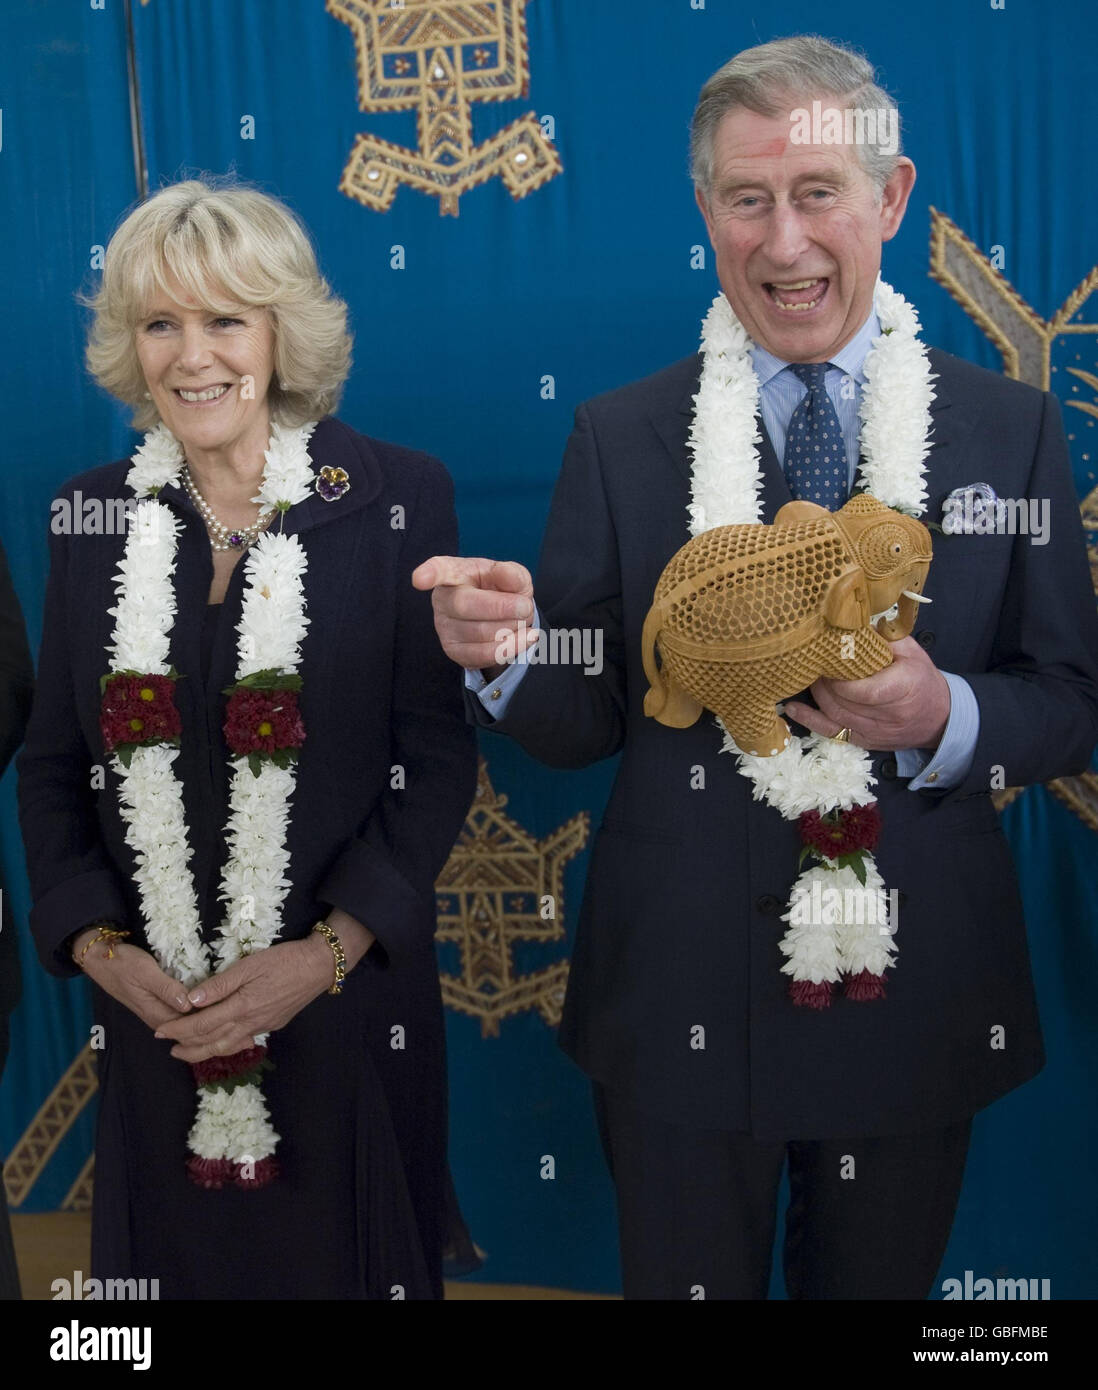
(925, 640)
(768, 905)
(888, 768)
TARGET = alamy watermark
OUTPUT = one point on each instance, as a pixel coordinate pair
(817, 906)
(92, 516)
(977, 511)
(104, 516)
(557, 646)
(980, 1289)
(94, 1343)
(80, 1288)
(856, 125)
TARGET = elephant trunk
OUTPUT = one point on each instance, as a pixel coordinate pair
(892, 630)
(656, 697)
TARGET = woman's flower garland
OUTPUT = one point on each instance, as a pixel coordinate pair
(232, 1139)
(822, 784)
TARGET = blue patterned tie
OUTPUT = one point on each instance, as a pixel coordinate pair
(815, 455)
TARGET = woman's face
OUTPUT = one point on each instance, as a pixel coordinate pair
(208, 373)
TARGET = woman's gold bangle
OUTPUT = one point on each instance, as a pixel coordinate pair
(105, 933)
(337, 951)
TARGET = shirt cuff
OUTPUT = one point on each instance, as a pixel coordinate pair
(495, 695)
(949, 764)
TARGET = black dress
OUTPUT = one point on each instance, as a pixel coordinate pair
(358, 1089)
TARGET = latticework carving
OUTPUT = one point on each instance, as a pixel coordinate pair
(745, 616)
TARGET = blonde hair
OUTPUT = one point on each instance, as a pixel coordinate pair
(229, 246)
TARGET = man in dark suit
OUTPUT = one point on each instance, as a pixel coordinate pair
(707, 1078)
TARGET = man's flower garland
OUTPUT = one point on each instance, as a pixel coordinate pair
(232, 1139)
(822, 784)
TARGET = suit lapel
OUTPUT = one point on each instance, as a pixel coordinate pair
(775, 489)
(672, 422)
(674, 431)
(333, 446)
(949, 455)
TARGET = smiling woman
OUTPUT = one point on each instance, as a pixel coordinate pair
(239, 876)
(237, 254)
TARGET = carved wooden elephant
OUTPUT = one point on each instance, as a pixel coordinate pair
(745, 616)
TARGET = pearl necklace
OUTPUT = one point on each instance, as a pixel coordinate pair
(224, 537)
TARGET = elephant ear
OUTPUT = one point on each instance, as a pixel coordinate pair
(800, 510)
(847, 602)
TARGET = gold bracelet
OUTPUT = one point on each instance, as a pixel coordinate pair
(337, 951)
(106, 933)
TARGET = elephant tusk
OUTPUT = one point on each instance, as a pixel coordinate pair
(918, 598)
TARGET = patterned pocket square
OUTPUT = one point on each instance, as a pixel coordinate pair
(968, 505)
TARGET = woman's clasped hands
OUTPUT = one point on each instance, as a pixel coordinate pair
(224, 1013)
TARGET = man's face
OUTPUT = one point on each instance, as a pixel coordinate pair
(797, 230)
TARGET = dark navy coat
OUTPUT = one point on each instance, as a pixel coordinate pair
(359, 1206)
(680, 922)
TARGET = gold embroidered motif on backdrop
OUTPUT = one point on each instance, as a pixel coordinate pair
(501, 886)
(439, 57)
(1025, 340)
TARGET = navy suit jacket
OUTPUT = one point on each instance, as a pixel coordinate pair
(680, 922)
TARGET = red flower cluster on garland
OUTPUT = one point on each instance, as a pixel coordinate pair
(844, 832)
(262, 721)
(234, 1067)
(215, 1173)
(242, 1068)
(138, 709)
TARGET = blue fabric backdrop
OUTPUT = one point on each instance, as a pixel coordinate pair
(592, 280)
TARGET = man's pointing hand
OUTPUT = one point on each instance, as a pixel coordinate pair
(481, 609)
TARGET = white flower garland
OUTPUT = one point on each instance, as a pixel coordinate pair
(230, 1125)
(814, 773)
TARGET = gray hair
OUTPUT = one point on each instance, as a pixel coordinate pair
(771, 77)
